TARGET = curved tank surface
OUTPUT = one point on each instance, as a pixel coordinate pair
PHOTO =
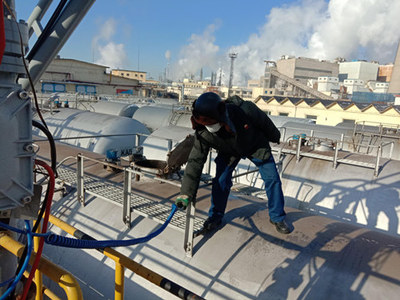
(350, 193)
(156, 146)
(154, 117)
(70, 123)
(110, 108)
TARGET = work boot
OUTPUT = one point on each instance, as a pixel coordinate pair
(281, 227)
(212, 223)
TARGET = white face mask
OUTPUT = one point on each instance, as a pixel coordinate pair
(213, 128)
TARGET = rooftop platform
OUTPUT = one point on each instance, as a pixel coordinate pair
(245, 259)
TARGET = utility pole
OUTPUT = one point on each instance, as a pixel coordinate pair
(232, 56)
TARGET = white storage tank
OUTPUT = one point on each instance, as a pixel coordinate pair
(98, 132)
(110, 108)
(154, 117)
(156, 146)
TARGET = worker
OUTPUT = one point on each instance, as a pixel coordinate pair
(236, 132)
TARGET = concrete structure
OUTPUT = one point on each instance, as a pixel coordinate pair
(74, 76)
(138, 75)
(327, 84)
(385, 73)
(378, 87)
(361, 70)
(303, 68)
(244, 93)
(394, 86)
(254, 83)
(354, 85)
(289, 86)
(326, 112)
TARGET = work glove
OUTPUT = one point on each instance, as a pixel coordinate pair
(182, 201)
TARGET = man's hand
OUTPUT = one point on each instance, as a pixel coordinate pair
(182, 201)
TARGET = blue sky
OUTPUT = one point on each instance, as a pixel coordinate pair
(185, 36)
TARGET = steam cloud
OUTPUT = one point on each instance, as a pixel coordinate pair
(109, 53)
(353, 29)
(201, 52)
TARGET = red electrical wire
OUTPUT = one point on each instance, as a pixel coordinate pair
(44, 227)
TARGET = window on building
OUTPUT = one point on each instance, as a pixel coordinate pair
(348, 121)
(311, 117)
(141, 76)
(284, 114)
(53, 87)
(122, 74)
(85, 89)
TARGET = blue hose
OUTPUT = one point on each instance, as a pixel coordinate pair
(4, 283)
(24, 266)
(20, 231)
(62, 241)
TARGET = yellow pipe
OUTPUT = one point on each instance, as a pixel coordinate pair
(64, 279)
(133, 266)
(61, 224)
(119, 281)
(38, 275)
(49, 293)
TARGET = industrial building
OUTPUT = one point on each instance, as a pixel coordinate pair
(385, 73)
(360, 70)
(75, 76)
(326, 112)
(302, 68)
(394, 86)
(138, 75)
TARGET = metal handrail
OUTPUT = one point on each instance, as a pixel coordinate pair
(337, 144)
(122, 262)
(63, 278)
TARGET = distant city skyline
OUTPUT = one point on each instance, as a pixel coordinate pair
(186, 36)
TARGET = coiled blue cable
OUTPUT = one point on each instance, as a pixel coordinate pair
(62, 241)
(24, 266)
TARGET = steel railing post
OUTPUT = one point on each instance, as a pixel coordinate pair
(169, 145)
(126, 205)
(137, 141)
(80, 181)
(298, 148)
(335, 157)
(190, 215)
(378, 156)
(119, 281)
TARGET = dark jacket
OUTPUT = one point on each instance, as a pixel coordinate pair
(249, 136)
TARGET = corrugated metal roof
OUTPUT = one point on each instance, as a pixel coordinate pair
(344, 104)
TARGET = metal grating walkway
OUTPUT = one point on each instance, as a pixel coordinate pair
(113, 193)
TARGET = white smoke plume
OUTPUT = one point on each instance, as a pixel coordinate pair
(201, 52)
(109, 53)
(352, 29)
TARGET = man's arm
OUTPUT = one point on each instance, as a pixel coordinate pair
(194, 168)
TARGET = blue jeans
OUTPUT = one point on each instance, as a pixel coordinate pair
(222, 183)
